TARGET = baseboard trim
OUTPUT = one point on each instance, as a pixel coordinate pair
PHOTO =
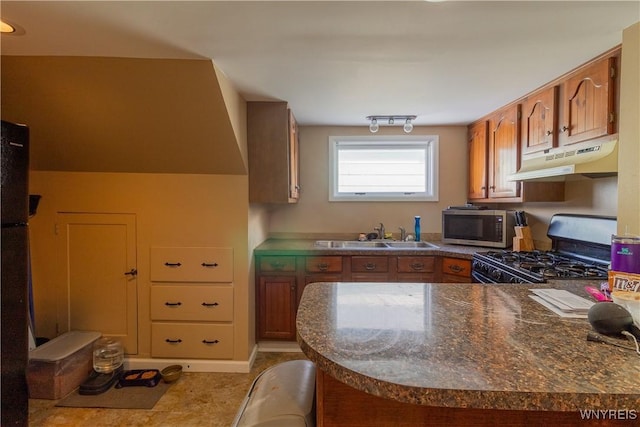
(195, 365)
(279, 347)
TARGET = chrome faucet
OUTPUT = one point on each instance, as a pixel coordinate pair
(403, 234)
(380, 231)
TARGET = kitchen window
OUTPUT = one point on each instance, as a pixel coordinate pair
(383, 168)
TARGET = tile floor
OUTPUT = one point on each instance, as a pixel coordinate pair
(197, 399)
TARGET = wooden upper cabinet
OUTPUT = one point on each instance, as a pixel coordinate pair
(504, 152)
(272, 140)
(588, 100)
(477, 147)
(540, 120)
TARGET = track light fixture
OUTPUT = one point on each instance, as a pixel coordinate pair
(374, 126)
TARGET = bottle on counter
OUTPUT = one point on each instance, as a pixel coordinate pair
(417, 228)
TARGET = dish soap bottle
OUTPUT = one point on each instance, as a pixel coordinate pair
(417, 228)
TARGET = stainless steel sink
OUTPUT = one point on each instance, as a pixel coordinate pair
(355, 244)
(409, 245)
(348, 244)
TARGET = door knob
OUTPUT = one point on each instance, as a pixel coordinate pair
(133, 272)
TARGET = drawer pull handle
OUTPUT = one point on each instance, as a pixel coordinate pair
(370, 266)
(417, 266)
(277, 265)
(204, 264)
(323, 266)
(172, 264)
(173, 304)
(170, 341)
(456, 268)
(210, 342)
(210, 304)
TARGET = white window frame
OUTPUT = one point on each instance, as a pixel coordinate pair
(428, 142)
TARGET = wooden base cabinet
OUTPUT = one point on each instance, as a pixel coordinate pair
(338, 404)
(277, 306)
(281, 280)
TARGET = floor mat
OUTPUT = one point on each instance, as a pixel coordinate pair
(122, 398)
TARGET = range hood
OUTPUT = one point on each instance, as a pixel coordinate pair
(592, 159)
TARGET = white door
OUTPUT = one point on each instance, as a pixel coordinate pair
(99, 278)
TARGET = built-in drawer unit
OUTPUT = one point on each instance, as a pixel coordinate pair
(323, 264)
(213, 265)
(194, 302)
(278, 264)
(191, 340)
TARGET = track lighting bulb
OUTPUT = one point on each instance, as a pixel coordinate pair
(373, 127)
(408, 127)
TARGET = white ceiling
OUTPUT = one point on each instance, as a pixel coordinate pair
(336, 62)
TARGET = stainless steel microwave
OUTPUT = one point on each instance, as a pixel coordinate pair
(478, 227)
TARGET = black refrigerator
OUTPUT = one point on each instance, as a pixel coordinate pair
(15, 270)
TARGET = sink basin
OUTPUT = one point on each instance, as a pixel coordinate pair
(409, 245)
(355, 244)
(348, 244)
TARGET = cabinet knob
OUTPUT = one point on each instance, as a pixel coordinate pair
(323, 266)
(417, 266)
(549, 132)
(564, 128)
(370, 266)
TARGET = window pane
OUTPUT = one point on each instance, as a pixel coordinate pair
(382, 170)
(385, 169)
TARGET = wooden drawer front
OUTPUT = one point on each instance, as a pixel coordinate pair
(205, 303)
(324, 264)
(416, 264)
(278, 263)
(370, 264)
(192, 341)
(456, 267)
(192, 265)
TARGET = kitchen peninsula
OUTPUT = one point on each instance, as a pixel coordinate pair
(410, 354)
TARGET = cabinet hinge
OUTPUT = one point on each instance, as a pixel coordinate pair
(612, 72)
(56, 229)
(612, 117)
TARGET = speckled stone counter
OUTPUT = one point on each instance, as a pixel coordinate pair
(307, 247)
(463, 346)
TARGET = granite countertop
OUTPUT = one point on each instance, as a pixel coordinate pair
(463, 345)
(307, 247)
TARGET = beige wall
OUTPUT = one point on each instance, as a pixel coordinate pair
(315, 214)
(629, 154)
(171, 210)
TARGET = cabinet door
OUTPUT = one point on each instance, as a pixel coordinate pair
(277, 307)
(540, 120)
(478, 144)
(504, 153)
(294, 159)
(588, 99)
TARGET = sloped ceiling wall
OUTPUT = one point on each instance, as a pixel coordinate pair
(121, 115)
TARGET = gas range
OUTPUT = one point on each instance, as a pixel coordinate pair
(581, 249)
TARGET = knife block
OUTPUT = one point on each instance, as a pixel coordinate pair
(523, 242)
